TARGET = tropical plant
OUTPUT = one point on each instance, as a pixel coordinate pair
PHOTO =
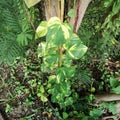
(62, 46)
(15, 31)
(61, 79)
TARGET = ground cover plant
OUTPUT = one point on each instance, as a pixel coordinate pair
(55, 59)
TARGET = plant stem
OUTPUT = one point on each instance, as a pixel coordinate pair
(60, 58)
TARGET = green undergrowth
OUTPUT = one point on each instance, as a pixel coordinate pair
(61, 72)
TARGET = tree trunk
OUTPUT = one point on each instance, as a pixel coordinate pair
(80, 8)
(54, 8)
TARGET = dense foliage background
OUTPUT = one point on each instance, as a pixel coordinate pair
(48, 72)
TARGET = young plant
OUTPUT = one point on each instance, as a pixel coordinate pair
(58, 52)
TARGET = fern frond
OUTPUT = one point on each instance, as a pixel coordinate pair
(9, 48)
(11, 18)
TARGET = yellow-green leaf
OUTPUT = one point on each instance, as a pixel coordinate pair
(31, 3)
(41, 30)
(76, 51)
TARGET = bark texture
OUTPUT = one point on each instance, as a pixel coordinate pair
(54, 8)
(80, 8)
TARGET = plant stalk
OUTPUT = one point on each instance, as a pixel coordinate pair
(61, 54)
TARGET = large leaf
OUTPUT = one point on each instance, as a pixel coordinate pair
(25, 35)
(31, 3)
(22, 38)
(55, 35)
(74, 40)
(57, 32)
(58, 36)
(74, 47)
(41, 30)
(9, 48)
(13, 24)
(76, 51)
(53, 21)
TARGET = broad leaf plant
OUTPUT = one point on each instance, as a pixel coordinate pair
(58, 52)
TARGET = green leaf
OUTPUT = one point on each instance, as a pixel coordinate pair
(41, 49)
(65, 115)
(116, 7)
(74, 39)
(57, 33)
(42, 89)
(76, 51)
(95, 113)
(64, 73)
(60, 92)
(116, 90)
(60, 37)
(108, 3)
(51, 59)
(25, 35)
(42, 96)
(51, 81)
(22, 38)
(54, 21)
(68, 101)
(71, 13)
(113, 82)
(65, 88)
(31, 3)
(66, 31)
(8, 108)
(112, 108)
(9, 48)
(41, 30)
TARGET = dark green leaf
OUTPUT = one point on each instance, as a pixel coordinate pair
(95, 113)
(113, 82)
(65, 115)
